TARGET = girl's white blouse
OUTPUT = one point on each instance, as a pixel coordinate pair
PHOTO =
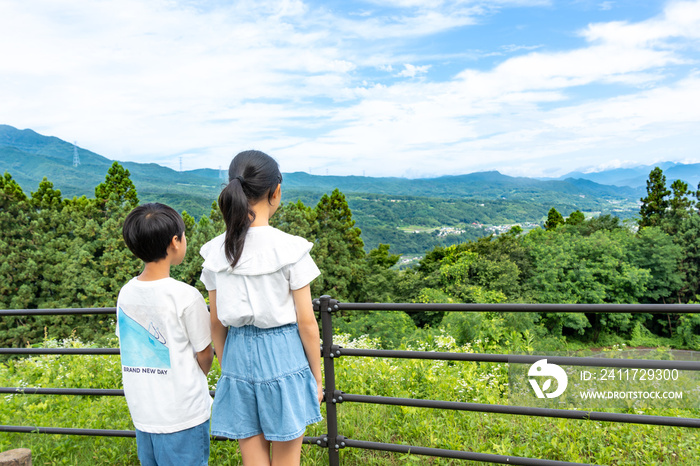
(258, 291)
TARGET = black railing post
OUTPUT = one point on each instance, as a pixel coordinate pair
(326, 308)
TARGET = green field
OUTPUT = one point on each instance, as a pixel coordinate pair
(555, 439)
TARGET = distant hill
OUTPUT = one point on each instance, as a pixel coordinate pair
(461, 201)
(483, 185)
(636, 177)
(30, 156)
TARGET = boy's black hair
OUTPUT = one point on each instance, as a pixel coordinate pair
(149, 228)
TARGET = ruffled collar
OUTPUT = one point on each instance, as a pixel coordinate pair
(266, 250)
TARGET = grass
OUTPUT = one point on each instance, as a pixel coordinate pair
(548, 438)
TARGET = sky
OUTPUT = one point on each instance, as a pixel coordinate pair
(408, 88)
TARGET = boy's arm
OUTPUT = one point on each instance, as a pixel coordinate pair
(197, 325)
(205, 358)
(218, 331)
(308, 331)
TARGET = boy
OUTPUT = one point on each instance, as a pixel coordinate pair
(165, 340)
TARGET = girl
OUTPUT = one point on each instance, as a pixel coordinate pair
(263, 325)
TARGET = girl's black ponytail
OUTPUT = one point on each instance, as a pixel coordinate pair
(236, 212)
(252, 174)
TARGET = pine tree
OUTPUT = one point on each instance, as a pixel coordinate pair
(296, 219)
(680, 207)
(117, 182)
(653, 209)
(17, 269)
(338, 251)
(197, 234)
(115, 264)
(554, 219)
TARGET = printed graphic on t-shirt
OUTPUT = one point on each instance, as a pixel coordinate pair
(142, 347)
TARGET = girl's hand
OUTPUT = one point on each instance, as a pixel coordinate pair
(319, 387)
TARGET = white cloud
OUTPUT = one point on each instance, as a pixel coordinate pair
(411, 71)
(679, 20)
(141, 80)
(495, 116)
(611, 165)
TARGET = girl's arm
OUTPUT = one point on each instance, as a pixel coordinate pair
(308, 331)
(218, 331)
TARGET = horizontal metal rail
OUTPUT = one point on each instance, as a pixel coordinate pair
(340, 397)
(69, 431)
(58, 312)
(102, 432)
(419, 307)
(521, 359)
(68, 391)
(522, 410)
(62, 391)
(428, 355)
(464, 455)
(522, 307)
(73, 351)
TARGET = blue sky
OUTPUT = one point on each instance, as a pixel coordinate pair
(409, 88)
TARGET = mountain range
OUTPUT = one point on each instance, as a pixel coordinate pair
(466, 202)
(636, 177)
(29, 156)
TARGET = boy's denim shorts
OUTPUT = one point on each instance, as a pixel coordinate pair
(189, 446)
(266, 385)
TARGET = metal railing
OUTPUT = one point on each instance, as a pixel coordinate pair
(334, 441)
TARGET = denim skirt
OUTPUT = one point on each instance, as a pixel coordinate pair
(266, 385)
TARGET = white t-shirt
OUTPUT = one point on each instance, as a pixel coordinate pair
(258, 291)
(161, 325)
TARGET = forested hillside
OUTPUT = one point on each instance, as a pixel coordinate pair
(61, 252)
(413, 216)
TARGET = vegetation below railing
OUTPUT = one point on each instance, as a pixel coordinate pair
(569, 440)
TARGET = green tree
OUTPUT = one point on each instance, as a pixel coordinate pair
(688, 238)
(118, 188)
(10, 192)
(554, 219)
(46, 197)
(190, 269)
(654, 250)
(653, 209)
(604, 222)
(48, 246)
(115, 264)
(381, 258)
(17, 268)
(380, 279)
(338, 251)
(570, 268)
(217, 220)
(575, 218)
(680, 207)
(296, 219)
